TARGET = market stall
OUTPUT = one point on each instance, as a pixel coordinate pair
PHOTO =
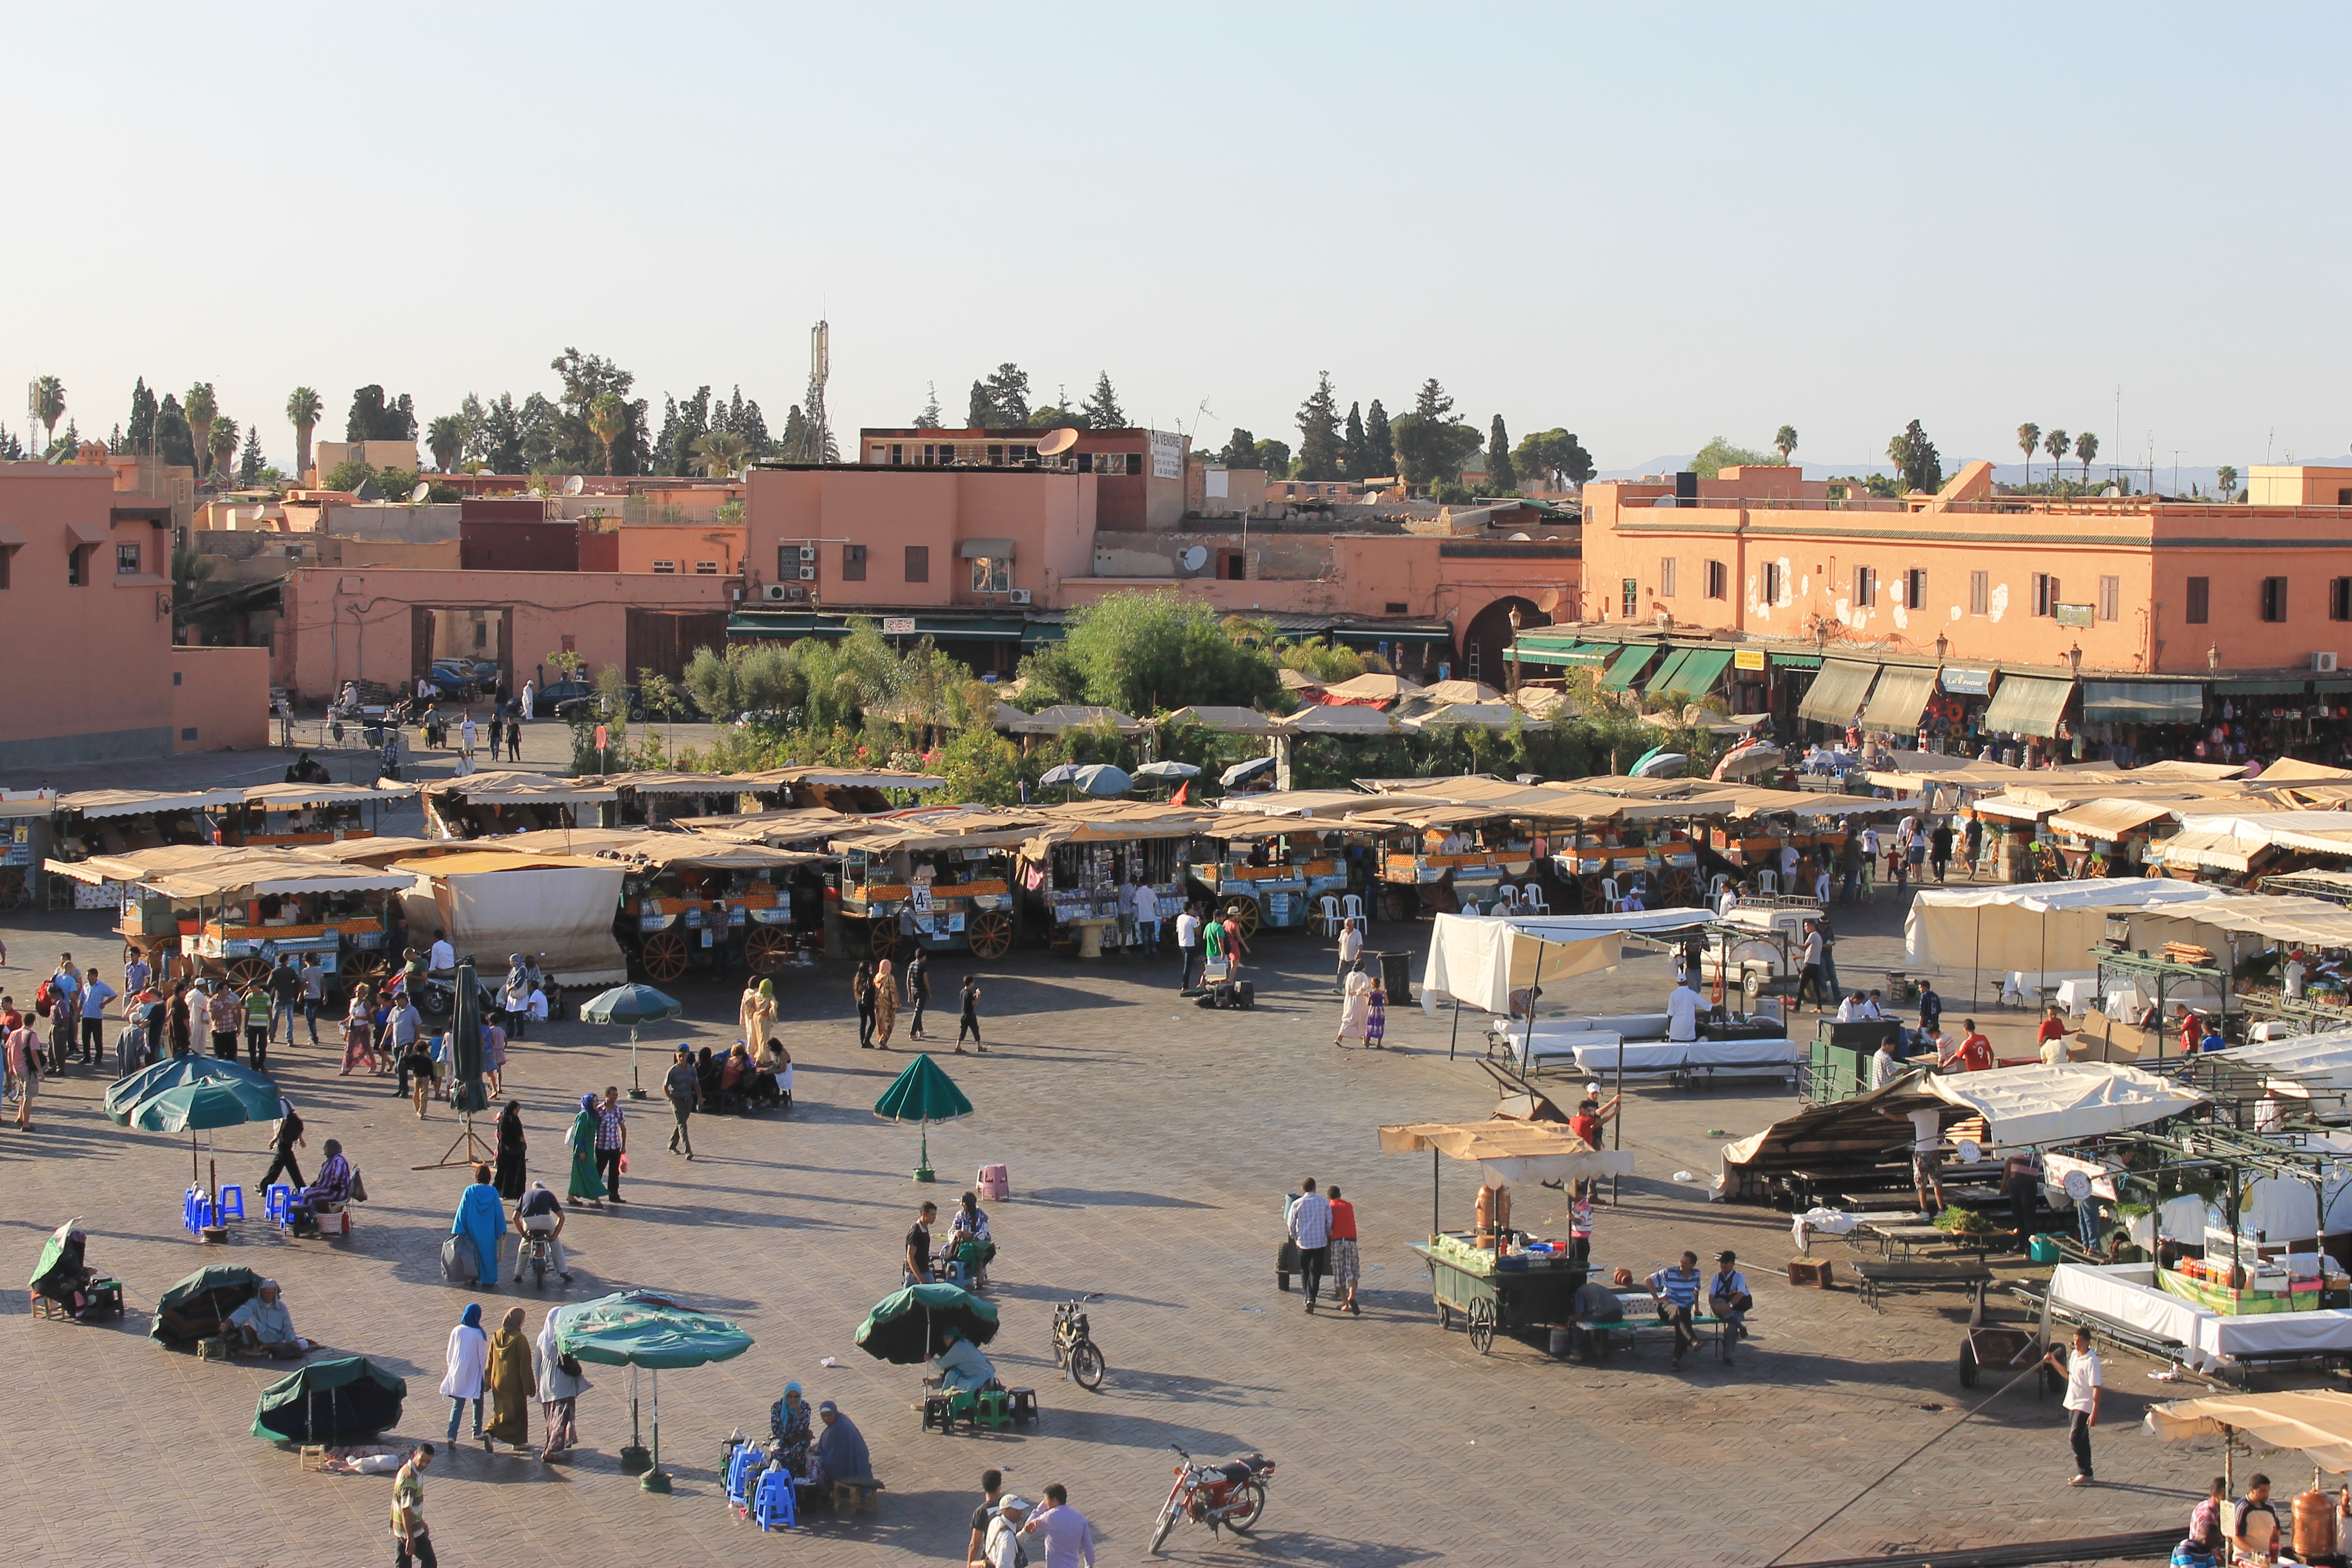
(237, 915)
(556, 909)
(2034, 936)
(116, 822)
(288, 814)
(940, 879)
(1263, 869)
(1073, 868)
(482, 805)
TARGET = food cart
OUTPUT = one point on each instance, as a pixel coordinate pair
(291, 814)
(1074, 867)
(1493, 1276)
(481, 805)
(1265, 870)
(940, 879)
(119, 822)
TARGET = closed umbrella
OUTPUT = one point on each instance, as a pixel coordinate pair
(631, 1005)
(923, 1093)
(911, 1325)
(640, 1329)
(1102, 779)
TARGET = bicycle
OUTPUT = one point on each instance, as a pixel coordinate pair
(1074, 1347)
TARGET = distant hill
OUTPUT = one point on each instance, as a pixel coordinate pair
(2192, 478)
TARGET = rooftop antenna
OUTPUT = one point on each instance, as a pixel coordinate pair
(819, 438)
(575, 485)
(420, 494)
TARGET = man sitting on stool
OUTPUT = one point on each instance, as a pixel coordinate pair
(264, 1327)
(960, 1368)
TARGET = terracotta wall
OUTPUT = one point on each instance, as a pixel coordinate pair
(220, 697)
(1049, 518)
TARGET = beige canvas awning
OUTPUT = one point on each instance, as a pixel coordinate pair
(1838, 692)
(297, 796)
(98, 803)
(1899, 699)
(2026, 706)
(2315, 1422)
(1510, 1151)
(2110, 819)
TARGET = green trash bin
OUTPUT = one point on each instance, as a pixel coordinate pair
(2042, 1248)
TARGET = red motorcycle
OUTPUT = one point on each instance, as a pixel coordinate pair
(1232, 1493)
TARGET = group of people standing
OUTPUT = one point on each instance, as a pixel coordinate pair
(1207, 949)
(876, 987)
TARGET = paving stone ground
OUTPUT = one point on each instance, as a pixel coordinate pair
(1150, 1143)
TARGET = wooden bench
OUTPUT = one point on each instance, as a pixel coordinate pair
(852, 1493)
(1878, 1280)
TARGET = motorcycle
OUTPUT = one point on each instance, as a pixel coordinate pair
(1073, 1344)
(538, 1254)
(1232, 1493)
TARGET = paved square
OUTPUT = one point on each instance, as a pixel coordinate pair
(1150, 1143)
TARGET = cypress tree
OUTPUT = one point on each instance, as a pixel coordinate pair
(1318, 433)
(1379, 451)
(1499, 473)
(1351, 445)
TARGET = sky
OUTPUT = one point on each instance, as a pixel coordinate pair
(1649, 225)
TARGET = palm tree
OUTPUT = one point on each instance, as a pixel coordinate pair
(2027, 438)
(2087, 447)
(303, 407)
(201, 409)
(2226, 476)
(220, 440)
(1784, 441)
(2054, 443)
(607, 417)
(446, 437)
(49, 407)
(721, 452)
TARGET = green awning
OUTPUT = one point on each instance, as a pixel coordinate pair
(1381, 634)
(1797, 660)
(2143, 701)
(1662, 681)
(1039, 634)
(2330, 688)
(1701, 668)
(2259, 688)
(1579, 656)
(1838, 692)
(825, 624)
(1899, 697)
(782, 624)
(2024, 706)
(1630, 662)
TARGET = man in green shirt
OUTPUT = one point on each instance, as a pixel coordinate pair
(258, 1007)
(409, 1537)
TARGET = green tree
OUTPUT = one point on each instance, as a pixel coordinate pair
(248, 462)
(1320, 455)
(1430, 451)
(2029, 436)
(928, 419)
(1378, 460)
(1351, 445)
(980, 414)
(303, 407)
(1274, 456)
(721, 453)
(1719, 454)
(1102, 409)
(1241, 450)
(1431, 402)
(1784, 441)
(1500, 475)
(349, 475)
(587, 377)
(446, 437)
(174, 442)
(1916, 456)
(1000, 400)
(201, 410)
(1550, 452)
(608, 421)
(375, 417)
(2087, 447)
(141, 434)
(2054, 443)
(1056, 416)
(2226, 476)
(1143, 652)
(683, 425)
(48, 407)
(221, 444)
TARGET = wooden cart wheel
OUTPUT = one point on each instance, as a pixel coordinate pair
(1444, 1316)
(1588, 886)
(663, 957)
(882, 936)
(1244, 914)
(990, 933)
(766, 949)
(15, 893)
(1482, 1326)
(248, 971)
(1394, 904)
(357, 969)
(1678, 887)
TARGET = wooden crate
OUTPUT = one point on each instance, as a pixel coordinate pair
(1812, 1271)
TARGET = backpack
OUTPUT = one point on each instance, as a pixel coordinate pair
(41, 999)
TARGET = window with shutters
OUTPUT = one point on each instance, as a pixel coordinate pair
(1915, 587)
(2111, 598)
(1772, 580)
(2339, 599)
(1666, 578)
(1980, 593)
(1718, 581)
(2045, 593)
(2201, 601)
(918, 563)
(2274, 600)
(853, 564)
(1865, 587)
(1629, 598)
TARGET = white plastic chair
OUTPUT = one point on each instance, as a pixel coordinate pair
(1328, 911)
(1767, 883)
(1507, 896)
(1610, 900)
(1714, 889)
(1532, 900)
(1351, 907)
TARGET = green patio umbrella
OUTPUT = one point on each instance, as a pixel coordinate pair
(202, 1106)
(347, 1399)
(923, 1093)
(53, 1251)
(640, 1329)
(632, 1004)
(909, 1326)
(125, 1095)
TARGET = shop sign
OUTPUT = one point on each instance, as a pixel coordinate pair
(1967, 682)
(898, 625)
(2073, 615)
(1167, 455)
(1747, 658)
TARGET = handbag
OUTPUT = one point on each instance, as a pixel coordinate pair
(567, 1363)
(359, 1186)
(457, 1265)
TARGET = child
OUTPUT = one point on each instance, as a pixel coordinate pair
(1376, 1018)
(1579, 1225)
(538, 1003)
(971, 1023)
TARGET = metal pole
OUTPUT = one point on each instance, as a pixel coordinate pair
(1535, 990)
(1617, 1121)
(1457, 1029)
(1436, 1220)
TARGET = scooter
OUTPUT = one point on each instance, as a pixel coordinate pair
(537, 1252)
(1232, 1493)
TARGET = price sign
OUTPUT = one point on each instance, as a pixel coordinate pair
(898, 625)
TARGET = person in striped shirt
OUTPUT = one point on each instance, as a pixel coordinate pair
(1677, 1293)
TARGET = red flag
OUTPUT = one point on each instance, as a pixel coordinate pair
(1178, 798)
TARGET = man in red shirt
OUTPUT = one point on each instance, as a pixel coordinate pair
(1345, 1267)
(1590, 1118)
(1973, 1054)
(2192, 1031)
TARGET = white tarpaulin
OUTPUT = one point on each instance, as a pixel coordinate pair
(2311, 1062)
(2037, 1104)
(1480, 959)
(2128, 1293)
(562, 915)
(2317, 1421)
(2035, 928)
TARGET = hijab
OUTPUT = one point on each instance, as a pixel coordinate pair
(793, 1388)
(768, 989)
(473, 1318)
(511, 1119)
(882, 971)
(588, 1102)
(333, 1148)
(512, 1324)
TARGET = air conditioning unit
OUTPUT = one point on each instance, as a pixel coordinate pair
(2323, 661)
(1021, 596)
(808, 551)
(808, 572)
(776, 593)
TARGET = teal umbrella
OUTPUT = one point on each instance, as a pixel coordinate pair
(923, 1093)
(124, 1096)
(200, 1107)
(911, 1325)
(639, 1329)
(632, 1004)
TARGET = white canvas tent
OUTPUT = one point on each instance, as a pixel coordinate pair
(2037, 1104)
(2303, 1064)
(556, 908)
(2037, 929)
(1481, 959)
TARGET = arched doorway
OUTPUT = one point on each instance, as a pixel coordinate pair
(1486, 643)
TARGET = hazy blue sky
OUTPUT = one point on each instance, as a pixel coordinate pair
(1647, 224)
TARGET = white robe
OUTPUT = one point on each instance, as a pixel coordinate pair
(469, 1362)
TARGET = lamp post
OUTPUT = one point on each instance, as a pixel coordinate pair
(1515, 654)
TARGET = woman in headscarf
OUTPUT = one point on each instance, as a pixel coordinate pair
(1376, 1012)
(559, 1393)
(735, 1077)
(582, 1141)
(179, 1026)
(885, 1003)
(772, 1080)
(757, 1016)
(789, 1422)
(514, 994)
(470, 1363)
(861, 987)
(334, 1183)
(1355, 1006)
(511, 1383)
(706, 1079)
(511, 1149)
(359, 1036)
(481, 1219)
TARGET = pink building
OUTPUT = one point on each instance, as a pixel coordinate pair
(86, 627)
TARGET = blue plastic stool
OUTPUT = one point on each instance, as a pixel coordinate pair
(229, 1201)
(195, 1211)
(277, 1200)
(738, 1476)
(774, 1506)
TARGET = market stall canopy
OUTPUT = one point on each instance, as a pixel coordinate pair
(480, 855)
(2024, 705)
(1482, 715)
(558, 907)
(384, 851)
(521, 789)
(97, 803)
(2269, 919)
(1296, 680)
(1346, 720)
(1466, 691)
(2035, 927)
(2315, 1422)
(267, 871)
(1838, 692)
(2294, 770)
(1481, 959)
(297, 796)
(798, 825)
(2109, 819)
(1901, 696)
(970, 827)
(1509, 1150)
(696, 851)
(138, 865)
(2212, 848)
(2143, 701)
(2309, 832)
(1370, 687)
(2036, 1104)
(837, 778)
(665, 783)
(1908, 770)
(2320, 1064)
(1225, 720)
(1065, 717)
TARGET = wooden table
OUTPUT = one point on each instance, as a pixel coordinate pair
(1881, 1278)
(1917, 1234)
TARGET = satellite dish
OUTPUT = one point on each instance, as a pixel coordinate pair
(575, 485)
(1521, 537)
(417, 497)
(1196, 557)
(1057, 442)
(1547, 601)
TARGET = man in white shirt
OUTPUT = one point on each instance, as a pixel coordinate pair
(1729, 901)
(466, 735)
(1004, 1546)
(423, 690)
(1351, 947)
(1310, 1227)
(1788, 868)
(2083, 1380)
(1850, 1010)
(1147, 916)
(444, 960)
(1883, 1065)
(530, 699)
(1188, 947)
(1682, 1014)
(1871, 1010)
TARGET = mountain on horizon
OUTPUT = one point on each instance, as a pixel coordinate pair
(2183, 480)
